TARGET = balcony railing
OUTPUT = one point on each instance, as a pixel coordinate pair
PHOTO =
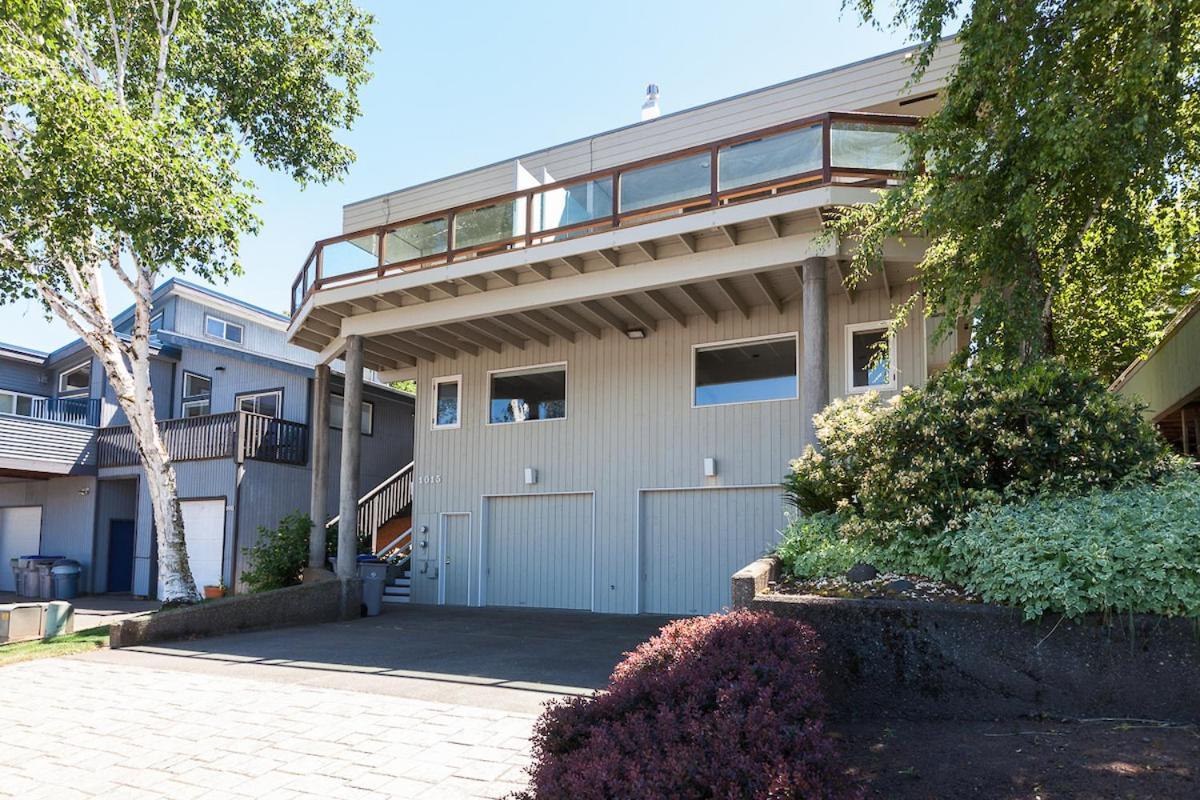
(71, 410)
(239, 434)
(836, 147)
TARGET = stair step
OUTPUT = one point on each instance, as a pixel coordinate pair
(402, 582)
(395, 598)
(394, 591)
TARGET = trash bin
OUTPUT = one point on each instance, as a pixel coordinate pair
(18, 574)
(374, 576)
(65, 577)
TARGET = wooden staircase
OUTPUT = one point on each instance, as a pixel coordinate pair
(386, 512)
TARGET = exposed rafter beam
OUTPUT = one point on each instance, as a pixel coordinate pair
(446, 287)
(887, 282)
(611, 256)
(400, 353)
(475, 337)
(693, 294)
(428, 342)
(542, 270)
(455, 341)
(523, 328)
(648, 250)
(727, 287)
(417, 293)
(769, 291)
(549, 324)
(776, 226)
(310, 339)
(660, 299)
(476, 281)
(573, 318)
(574, 262)
(688, 240)
(322, 327)
(507, 275)
(844, 271)
(602, 313)
(731, 233)
(365, 304)
(636, 311)
(497, 331)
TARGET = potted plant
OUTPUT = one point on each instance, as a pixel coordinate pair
(214, 592)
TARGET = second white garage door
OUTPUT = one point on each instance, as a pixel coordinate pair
(20, 535)
(693, 540)
(538, 551)
(204, 533)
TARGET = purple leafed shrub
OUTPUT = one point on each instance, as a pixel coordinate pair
(725, 706)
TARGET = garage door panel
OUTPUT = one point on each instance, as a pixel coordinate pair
(204, 535)
(694, 540)
(20, 535)
(538, 551)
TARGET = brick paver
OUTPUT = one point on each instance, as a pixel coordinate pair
(82, 728)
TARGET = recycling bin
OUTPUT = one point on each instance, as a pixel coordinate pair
(374, 576)
(64, 576)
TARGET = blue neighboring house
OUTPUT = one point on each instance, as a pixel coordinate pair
(234, 400)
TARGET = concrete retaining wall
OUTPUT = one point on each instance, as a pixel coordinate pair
(322, 601)
(939, 660)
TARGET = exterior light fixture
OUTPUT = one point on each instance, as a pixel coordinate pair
(710, 468)
(636, 333)
(530, 475)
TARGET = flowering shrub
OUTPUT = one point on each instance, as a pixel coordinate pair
(721, 706)
(1133, 550)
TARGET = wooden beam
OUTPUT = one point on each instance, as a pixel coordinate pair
(731, 233)
(365, 304)
(727, 287)
(767, 289)
(419, 293)
(549, 324)
(313, 340)
(396, 351)
(477, 281)
(428, 342)
(688, 240)
(887, 283)
(693, 294)
(322, 327)
(573, 318)
(446, 287)
(648, 250)
(523, 328)
(844, 271)
(602, 312)
(498, 332)
(457, 342)
(574, 262)
(776, 226)
(660, 299)
(542, 270)
(638, 313)
(508, 276)
(611, 256)
(475, 337)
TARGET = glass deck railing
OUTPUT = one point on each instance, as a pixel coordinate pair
(833, 148)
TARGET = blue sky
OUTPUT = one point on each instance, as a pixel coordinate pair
(462, 85)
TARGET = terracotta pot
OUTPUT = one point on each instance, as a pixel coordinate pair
(213, 592)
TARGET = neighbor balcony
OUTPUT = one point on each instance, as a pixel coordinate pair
(238, 435)
(840, 149)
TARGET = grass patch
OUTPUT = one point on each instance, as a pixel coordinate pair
(69, 645)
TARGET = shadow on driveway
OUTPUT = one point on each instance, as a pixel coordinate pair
(508, 659)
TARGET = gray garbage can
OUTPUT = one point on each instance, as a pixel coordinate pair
(374, 576)
(18, 574)
(65, 576)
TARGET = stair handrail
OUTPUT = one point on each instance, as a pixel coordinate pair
(384, 484)
(387, 548)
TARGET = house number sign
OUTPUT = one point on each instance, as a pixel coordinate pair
(426, 479)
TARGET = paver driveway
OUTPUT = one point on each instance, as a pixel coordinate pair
(323, 711)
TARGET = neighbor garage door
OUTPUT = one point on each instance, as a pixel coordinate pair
(694, 540)
(538, 551)
(204, 532)
(20, 535)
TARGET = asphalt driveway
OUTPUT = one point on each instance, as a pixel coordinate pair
(421, 702)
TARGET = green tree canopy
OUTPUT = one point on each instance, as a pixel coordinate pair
(1057, 185)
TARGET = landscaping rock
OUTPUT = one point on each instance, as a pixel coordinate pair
(861, 572)
(900, 585)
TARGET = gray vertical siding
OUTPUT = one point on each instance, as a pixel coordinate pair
(240, 377)
(115, 499)
(630, 426)
(268, 493)
(68, 512)
(388, 449)
(188, 319)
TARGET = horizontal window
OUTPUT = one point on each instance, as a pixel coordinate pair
(269, 404)
(746, 372)
(336, 408)
(76, 379)
(869, 353)
(223, 329)
(196, 408)
(16, 403)
(446, 402)
(527, 395)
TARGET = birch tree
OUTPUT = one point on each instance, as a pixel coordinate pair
(121, 130)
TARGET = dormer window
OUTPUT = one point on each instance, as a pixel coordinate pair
(223, 329)
(76, 380)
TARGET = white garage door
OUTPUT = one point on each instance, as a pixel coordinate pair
(204, 533)
(694, 540)
(538, 551)
(20, 535)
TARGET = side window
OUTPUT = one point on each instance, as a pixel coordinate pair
(527, 395)
(447, 401)
(197, 395)
(337, 408)
(870, 358)
(223, 329)
(268, 404)
(745, 371)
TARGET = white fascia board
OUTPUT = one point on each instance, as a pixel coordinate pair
(332, 351)
(705, 266)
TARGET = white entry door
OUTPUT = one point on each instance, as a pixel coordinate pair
(20, 535)
(204, 533)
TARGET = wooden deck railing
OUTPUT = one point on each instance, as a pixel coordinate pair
(235, 434)
(384, 502)
(836, 147)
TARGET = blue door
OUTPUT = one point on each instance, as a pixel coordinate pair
(121, 537)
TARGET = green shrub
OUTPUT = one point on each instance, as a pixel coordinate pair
(280, 555)
(1129, 550)
(814, 547)
(907, 470)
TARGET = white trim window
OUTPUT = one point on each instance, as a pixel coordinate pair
(18, 404)
(866, 370)
(447, 402)
(76, 380)
(197, 395)
(757, 370)
(223, 329)
(336, 406)
(527, 394)
(268, 404)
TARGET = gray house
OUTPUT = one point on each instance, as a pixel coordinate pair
(619, 342)
(234, 399)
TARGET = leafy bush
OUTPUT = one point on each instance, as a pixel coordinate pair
(905, 471)
(1133, 550)
(280, 555)
(814, 547)
(719, 706)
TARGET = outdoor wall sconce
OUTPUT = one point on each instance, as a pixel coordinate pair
(530, 476)
(710, 468)
(636, 333)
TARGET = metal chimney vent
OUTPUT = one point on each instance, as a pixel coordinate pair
(650, 109)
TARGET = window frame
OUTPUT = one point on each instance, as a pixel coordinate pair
(433, 423)
(33, 398)
(226, 325)
(369, 405)
(793, 335)
(277, 391)
(893, 383)
(71, 370)
(186, 400)
(205, 401)
(528, 368)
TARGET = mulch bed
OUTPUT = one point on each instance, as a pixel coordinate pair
(886, 585)
(1023, 759)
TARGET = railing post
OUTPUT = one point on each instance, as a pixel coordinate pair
(826, 150)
